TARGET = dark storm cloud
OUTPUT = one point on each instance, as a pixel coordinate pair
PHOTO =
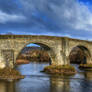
(9, 6)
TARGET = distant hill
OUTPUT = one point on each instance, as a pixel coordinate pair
(32, 54)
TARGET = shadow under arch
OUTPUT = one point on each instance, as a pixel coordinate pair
(81, 53)
(45, 47)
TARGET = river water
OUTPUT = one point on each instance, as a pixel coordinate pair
(36, 81)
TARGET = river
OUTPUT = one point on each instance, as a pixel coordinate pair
(36, 81)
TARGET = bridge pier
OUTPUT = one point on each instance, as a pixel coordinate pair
(7, 58)
(65, 51)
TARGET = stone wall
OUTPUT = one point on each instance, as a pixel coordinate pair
(59, 47)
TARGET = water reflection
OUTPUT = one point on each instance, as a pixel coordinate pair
(88, 75)
(7, 86)
(59, 85)
(33, 84)
(35, 81)
(32, 68)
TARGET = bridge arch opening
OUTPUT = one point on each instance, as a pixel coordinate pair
(36, 48)
(36, 57)
(79, 55)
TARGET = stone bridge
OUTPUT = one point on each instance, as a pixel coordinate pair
(58, 48)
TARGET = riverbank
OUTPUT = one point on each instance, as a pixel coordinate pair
(22, 61)
(10, 74)
(58, 69)
(32, 54)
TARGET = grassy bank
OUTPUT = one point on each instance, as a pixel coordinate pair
(58, 69)
(8, 73)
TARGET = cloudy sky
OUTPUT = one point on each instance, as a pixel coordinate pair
(72, 18)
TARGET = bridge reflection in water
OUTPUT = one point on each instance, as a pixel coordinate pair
(59, 85)
(40, 82)
(7, 86)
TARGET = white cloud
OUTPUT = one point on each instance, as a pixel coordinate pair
(75, 15)
(5, 17)
(69, 14)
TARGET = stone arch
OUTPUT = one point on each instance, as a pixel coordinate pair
(85, 51)
(46, 47)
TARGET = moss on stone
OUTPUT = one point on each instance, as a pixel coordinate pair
(85, 66)
(60, 69)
